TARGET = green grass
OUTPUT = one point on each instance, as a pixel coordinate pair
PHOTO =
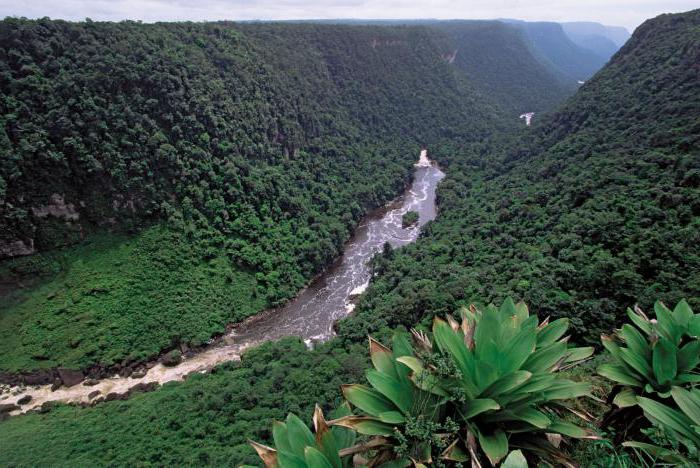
(205, 420)
(118, 298)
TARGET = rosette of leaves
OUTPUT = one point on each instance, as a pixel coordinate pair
(297, 447)
(681, 423)
(489, 384)
(651, 356)
(405, 422)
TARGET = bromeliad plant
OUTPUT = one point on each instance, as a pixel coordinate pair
(653, 355)
(681, 423)
(297, 447)
(490, 383)
(487, 385)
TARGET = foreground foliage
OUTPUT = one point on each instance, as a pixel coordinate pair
(489, 384)
(652, 356)
(655, 366)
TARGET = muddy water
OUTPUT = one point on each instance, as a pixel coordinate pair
(309, 316)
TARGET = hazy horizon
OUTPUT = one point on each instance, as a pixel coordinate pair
(625, 13)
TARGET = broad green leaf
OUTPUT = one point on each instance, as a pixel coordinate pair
(365, 425)
(290, 460)
(664, 361)
(571, 430)
(668, 417)
(552, 332)
(367, 399)
(280, 436)
(392, 389)
(520, 348)
(478, 406)
(315, 459)
(641, 323)
(508, 308)
(533, 416)
(563, 389)
(687, 402)
(689, 356)
(494, 445)
(299, 435)
(521, 312)
(620, 374)
(427, 382)
(544, 359)
(636, 362)
(682, 314)
(579, 354)
(665, 323)
(392, 417)
(694, 325)
(452, 343)
(635, 341)
(412, 362)
(506, 383)
(625, 398)
(688, 377)
(382, 358)
(515, 459)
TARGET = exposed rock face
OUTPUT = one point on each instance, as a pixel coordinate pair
(58, 208)
(70, 377)
(8, 408)
(173, 358)
(17, 248)
(24, 400)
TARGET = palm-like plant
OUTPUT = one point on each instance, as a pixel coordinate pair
(682, 423)
(297, 447)
(654, 355)
(490, 384)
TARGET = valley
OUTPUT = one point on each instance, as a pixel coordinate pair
(201, 224)
(310, 316)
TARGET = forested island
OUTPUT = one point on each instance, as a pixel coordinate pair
(160, 183)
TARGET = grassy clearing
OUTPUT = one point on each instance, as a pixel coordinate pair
(118, 298)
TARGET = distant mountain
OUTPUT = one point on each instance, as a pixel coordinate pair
(616, 34)
(555, 50)
(498, 59)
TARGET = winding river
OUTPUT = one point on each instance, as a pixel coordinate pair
(310, 315)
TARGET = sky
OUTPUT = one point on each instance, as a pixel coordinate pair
(627, 13)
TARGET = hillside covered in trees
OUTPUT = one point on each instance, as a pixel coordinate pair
(204, 172)
(591, 210)
(595, 210)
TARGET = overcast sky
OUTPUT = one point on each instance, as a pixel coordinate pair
(628, 13)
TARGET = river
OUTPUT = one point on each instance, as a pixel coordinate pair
(310, 315)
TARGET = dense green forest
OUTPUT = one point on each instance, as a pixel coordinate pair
(596, 209)
(591, 210)
(257, 148)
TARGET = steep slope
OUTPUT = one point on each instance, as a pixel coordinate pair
(550, 44)
(242, 155)
(596, 210)
(600, 45)
(496, 58)
(616, 34)
(207, 419)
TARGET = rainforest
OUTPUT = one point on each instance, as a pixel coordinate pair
(335, 243)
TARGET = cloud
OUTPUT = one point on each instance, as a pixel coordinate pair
(627, 13)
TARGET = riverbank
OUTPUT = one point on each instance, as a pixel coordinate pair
(310, 315)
